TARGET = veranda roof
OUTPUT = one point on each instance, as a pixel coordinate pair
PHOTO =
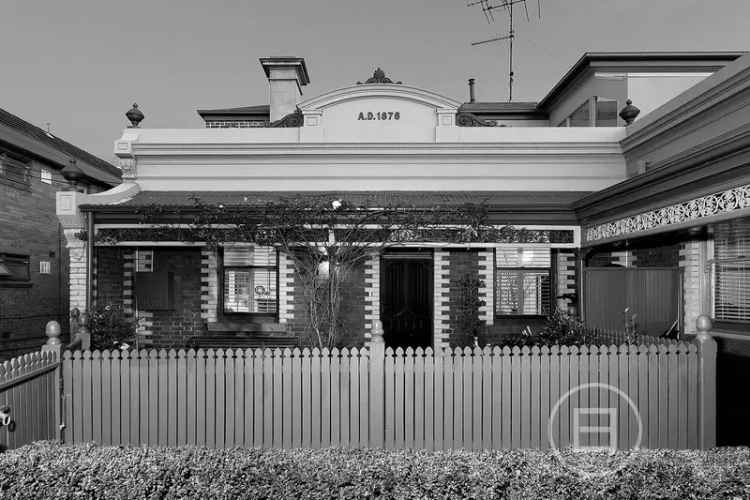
(504, 200)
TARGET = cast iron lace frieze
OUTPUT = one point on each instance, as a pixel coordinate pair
(713, 204)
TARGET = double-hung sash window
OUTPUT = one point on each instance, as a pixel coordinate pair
(523, 282)
(250, 279)
(732, 271)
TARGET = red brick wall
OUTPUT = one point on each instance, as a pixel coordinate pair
(462, 263)
(172, 328)
(352, 312)
(109, 278)
(29, 226)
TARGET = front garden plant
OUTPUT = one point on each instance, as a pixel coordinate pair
(46, 470)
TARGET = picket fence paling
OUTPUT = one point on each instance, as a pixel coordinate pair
(30, 387)
(491, 398)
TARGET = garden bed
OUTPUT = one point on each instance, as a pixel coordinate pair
(45, 470)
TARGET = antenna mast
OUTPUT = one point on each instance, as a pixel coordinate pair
(487, 9)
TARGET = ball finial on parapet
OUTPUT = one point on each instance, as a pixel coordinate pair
(629, 112)
(135, 116)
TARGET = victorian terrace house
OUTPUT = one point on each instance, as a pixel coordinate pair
(625, 187)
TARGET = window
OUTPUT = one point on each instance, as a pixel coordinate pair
(46, 176)
(14, 172)
(732, 271)
(606, 112)
(580, 117)
(14, 268)
(250, 279)
(523, 283)
(144, 261)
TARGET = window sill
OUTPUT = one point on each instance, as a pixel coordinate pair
(731, 335)
(16, 284)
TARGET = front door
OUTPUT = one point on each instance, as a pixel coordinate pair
(406, 299)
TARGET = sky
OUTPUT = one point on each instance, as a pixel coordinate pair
(80, 64)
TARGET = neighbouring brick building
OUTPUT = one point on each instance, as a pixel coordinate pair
(34, 262)
(567, 170)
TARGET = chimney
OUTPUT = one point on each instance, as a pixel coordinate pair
(286, 77)
(471, 90)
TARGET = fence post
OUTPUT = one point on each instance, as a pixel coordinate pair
(54, 345)
(706, 383)
(377, 402)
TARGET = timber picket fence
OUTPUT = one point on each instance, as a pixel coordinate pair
(30, 394)
(465, 398)
(474, 399)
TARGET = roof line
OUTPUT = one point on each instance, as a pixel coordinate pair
(587, 57)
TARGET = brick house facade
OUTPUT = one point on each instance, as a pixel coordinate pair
(34, 259)
(387, 144)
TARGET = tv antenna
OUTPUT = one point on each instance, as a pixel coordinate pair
(488, 8)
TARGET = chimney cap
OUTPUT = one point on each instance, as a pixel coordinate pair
(298, 63)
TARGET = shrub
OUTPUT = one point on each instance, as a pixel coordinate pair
(45, 470)
(110, 328)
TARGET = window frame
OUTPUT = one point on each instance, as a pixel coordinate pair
(499, 314)
(11, 281)
(7, 162)
(222, 269)
(723, 323)
(735, 326)
(596, 111)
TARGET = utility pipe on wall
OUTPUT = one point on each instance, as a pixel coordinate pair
(89, 260)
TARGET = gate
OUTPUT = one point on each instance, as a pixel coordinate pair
(652, 294)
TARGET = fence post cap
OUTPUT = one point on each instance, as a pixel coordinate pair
(703, 324)
(52, 331)
(377, 332)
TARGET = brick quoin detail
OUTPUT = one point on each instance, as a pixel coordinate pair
(566, 276)
(486, 270)
(372, 293)
(209, 285)
(286, 289)
(77, 271)
(128, 266)
(441, 276)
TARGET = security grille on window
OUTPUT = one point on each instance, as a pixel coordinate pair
(250, 279)
(14, 172)
(732, 271)
(523, 281)
(14, 267)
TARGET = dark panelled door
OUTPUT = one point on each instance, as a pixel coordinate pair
(406, 300)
